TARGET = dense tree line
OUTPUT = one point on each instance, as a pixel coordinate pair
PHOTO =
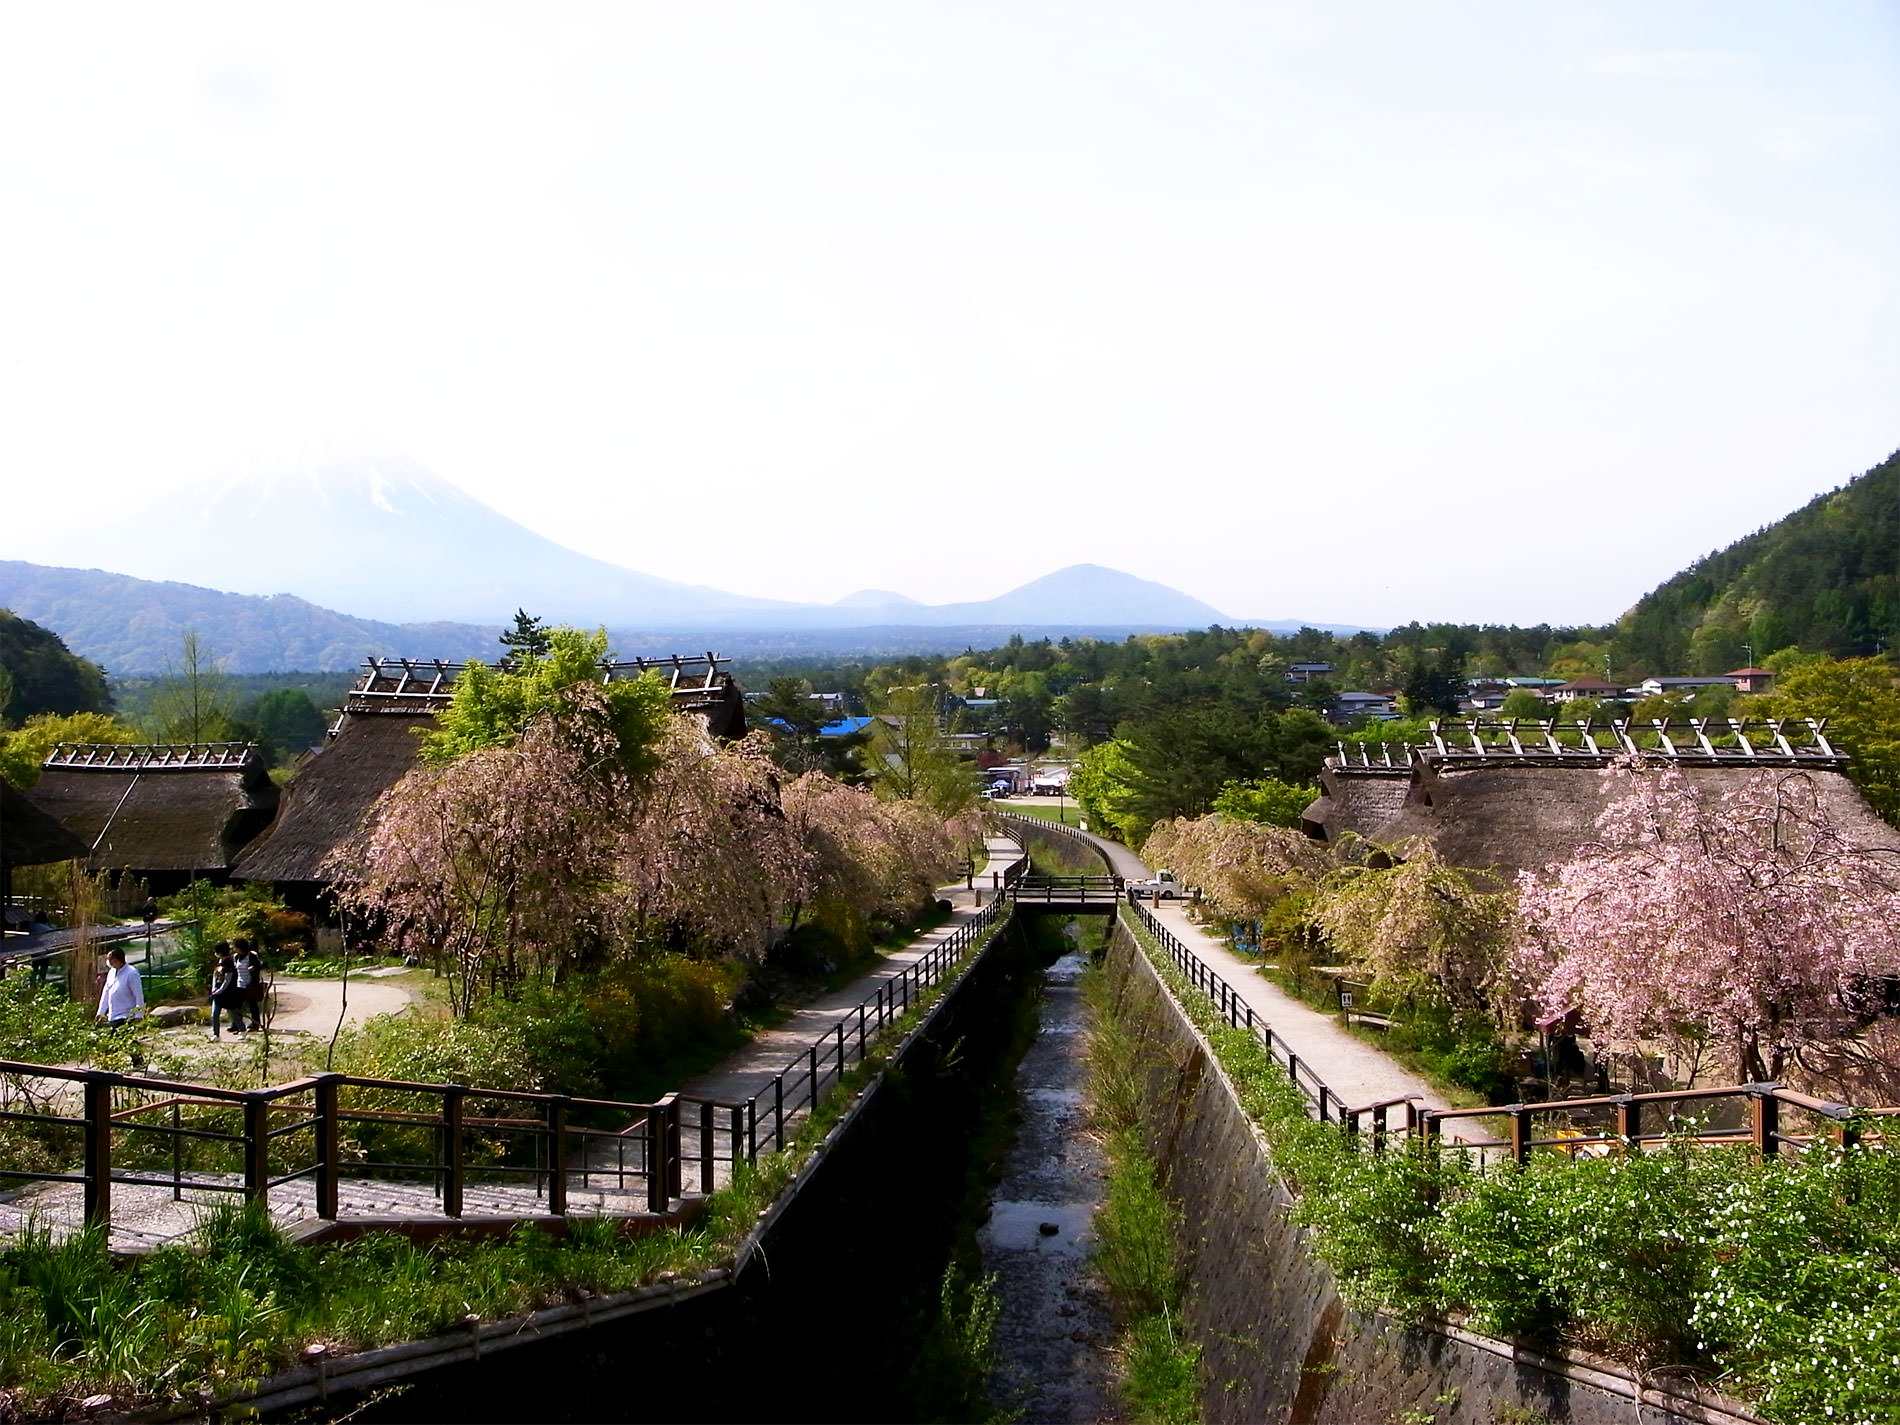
(1826, 580)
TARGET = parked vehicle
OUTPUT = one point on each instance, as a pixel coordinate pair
(1161, 887)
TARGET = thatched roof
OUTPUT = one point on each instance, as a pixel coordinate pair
(328, 800)
(29, 837)
(1514, 817)
(1356, 801)
(158, 808)
(376, 741)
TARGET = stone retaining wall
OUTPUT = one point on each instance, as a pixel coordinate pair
(1277, 1342)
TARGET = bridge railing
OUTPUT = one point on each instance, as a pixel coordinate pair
(1067, 890)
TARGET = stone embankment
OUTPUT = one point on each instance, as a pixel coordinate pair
(1277, 1341)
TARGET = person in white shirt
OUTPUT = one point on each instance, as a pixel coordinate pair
(123, 998)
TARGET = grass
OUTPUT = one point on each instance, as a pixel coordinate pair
(1068, 814)
(1136, 1228)
(1777, 1279)
(210, 1317)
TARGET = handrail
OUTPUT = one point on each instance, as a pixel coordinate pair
(196, 1120)
(1765, 1100)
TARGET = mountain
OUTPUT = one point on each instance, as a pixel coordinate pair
(1826, 579)
(380, 536)
(135, 627)
(870, 599)
(1081, 593)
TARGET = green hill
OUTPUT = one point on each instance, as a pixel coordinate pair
(1826, 579)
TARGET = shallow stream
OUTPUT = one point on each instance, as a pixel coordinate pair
(1054, 1332)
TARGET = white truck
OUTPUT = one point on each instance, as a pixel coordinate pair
(1162, 886)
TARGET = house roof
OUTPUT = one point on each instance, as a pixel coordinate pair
(158, 808)
(329, 800)
(845, 726)
(1510, 818)
(29, 837)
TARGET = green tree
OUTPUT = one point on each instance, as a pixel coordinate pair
(1858, 698)
(788, 714)
(1433, 689)
(192, 702)
(288, 719)
(24, 750)
(40, 674)
(908, 758)
(492, 707)
(1100, 785)
(529, 638)
(1268, 800)
(1523, 703)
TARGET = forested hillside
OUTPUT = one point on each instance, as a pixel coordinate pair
(1826, 580)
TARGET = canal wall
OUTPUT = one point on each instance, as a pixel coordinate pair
(1277, 1342)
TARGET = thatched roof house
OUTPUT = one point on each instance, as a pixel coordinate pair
(167, 812)
(1504, 798)
(29, 837)
(375, 742)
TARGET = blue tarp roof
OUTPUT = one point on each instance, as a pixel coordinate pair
(845, 726)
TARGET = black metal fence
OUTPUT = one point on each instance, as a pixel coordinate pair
(1756, 1114)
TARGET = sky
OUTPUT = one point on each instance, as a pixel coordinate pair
(1357, 312)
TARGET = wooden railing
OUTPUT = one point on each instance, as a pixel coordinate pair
(1755, 1114)
(107, 1131)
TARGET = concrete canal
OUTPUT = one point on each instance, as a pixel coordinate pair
(866, 1301)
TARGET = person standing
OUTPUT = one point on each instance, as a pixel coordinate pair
(122, 1000)
(224, 992)
(250, 979)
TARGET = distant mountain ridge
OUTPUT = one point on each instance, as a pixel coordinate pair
(134, 627)
(1825, 579)
(335, 557)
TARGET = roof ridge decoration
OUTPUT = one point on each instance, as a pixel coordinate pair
(412, 685)
(1520, 742)
(152, 756)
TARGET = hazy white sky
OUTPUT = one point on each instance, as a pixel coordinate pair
(1362, 312)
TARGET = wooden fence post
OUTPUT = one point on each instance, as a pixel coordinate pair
(452, 1150)
(557, 1156)
(97, 1097)
(256, 1148)
(329, 1143)
(1766, 1123)
(1629, 1119)
(1520, 1137)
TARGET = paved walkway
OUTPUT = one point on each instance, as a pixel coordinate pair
(1358, 1072)
(751, 1070)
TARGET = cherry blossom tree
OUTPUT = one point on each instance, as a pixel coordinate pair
(1242, 867)
(1696, 921)
(491, 864)
(869, 859)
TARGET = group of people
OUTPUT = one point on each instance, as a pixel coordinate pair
(237, 986)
